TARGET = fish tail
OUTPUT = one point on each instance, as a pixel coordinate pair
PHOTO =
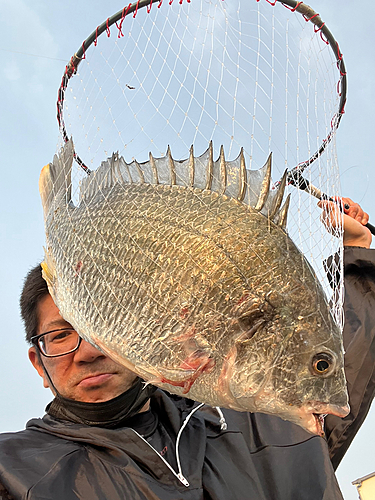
(49, 272)
(45, 187)
(55, 178)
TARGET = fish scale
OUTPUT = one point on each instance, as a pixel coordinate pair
(183, 272)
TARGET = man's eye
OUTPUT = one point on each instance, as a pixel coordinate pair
(61, 336)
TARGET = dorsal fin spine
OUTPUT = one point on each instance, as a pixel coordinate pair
(172, 168)
(264, 190)
(223, 171)
(191, 167)
(281, 217)
(210, 166)
(154, 169)
(242, 178)
(115, 170)
(140, 173)
(276, 204)
(128, 172)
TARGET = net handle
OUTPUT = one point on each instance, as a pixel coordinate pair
(305, 10)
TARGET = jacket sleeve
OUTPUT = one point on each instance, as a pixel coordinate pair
(359, 345)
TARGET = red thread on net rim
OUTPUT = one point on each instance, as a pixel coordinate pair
(73, 70)
(84, 52)
(316, 29)
(96, 37)
(149, 7)
(136, 10)
(120, 33)
(310, 18)
(108, 31)
(180, 2)
(125, 11)
(293, 9)
(342, 111)
(339, 57)
(119, 26)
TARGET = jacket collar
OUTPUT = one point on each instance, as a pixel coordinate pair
(120, 445)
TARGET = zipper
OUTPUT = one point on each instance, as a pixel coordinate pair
(178, 474)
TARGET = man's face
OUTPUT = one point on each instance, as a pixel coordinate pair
(85, 375)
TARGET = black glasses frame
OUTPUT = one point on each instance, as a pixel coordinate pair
(35, 341)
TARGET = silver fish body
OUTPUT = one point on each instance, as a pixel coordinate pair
(182, 272)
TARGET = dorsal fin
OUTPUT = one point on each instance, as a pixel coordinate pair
(229, 178)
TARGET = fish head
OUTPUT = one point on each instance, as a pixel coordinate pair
(286, 357)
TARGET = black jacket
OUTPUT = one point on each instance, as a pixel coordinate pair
(257, 456)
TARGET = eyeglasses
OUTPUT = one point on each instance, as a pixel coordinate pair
(57, 342)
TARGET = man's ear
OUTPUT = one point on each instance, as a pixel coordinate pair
(34, 357)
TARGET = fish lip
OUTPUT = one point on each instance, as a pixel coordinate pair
(319, 423)
(329, 409)
(314, 417)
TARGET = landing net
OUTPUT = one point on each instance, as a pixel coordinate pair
(257, 75)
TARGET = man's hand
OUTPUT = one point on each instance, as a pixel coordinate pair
(354, 220)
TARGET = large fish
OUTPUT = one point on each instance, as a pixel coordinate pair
(182, 271)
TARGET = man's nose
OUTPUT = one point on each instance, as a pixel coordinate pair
(87, 353)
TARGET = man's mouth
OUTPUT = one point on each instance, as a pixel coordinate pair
(95, 380)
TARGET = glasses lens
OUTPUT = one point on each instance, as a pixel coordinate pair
(58, 342)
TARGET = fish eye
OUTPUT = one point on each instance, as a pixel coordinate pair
(323, 364)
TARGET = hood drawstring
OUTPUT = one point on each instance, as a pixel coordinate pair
(178, 473)
(223, 424)
(184, 424)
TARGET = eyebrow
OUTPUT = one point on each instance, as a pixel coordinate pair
(57, 323)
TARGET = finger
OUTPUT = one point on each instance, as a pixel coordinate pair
(365, 218)
(344, 203)
(331, 214)
(355, 211)
(347, 203)
(329, 208)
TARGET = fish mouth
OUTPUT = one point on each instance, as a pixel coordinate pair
(313, 421)
(319, 423)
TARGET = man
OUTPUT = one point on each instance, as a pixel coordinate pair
(105, 437)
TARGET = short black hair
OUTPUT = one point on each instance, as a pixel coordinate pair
(33, 291)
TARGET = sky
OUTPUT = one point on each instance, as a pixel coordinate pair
(36, 40)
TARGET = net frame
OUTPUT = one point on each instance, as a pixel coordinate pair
(118, 19)
(295, 174)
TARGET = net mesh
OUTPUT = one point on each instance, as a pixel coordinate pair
(239, 73)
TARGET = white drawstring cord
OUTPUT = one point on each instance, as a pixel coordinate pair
(223, 424)
(179, 475)
(179, 436)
